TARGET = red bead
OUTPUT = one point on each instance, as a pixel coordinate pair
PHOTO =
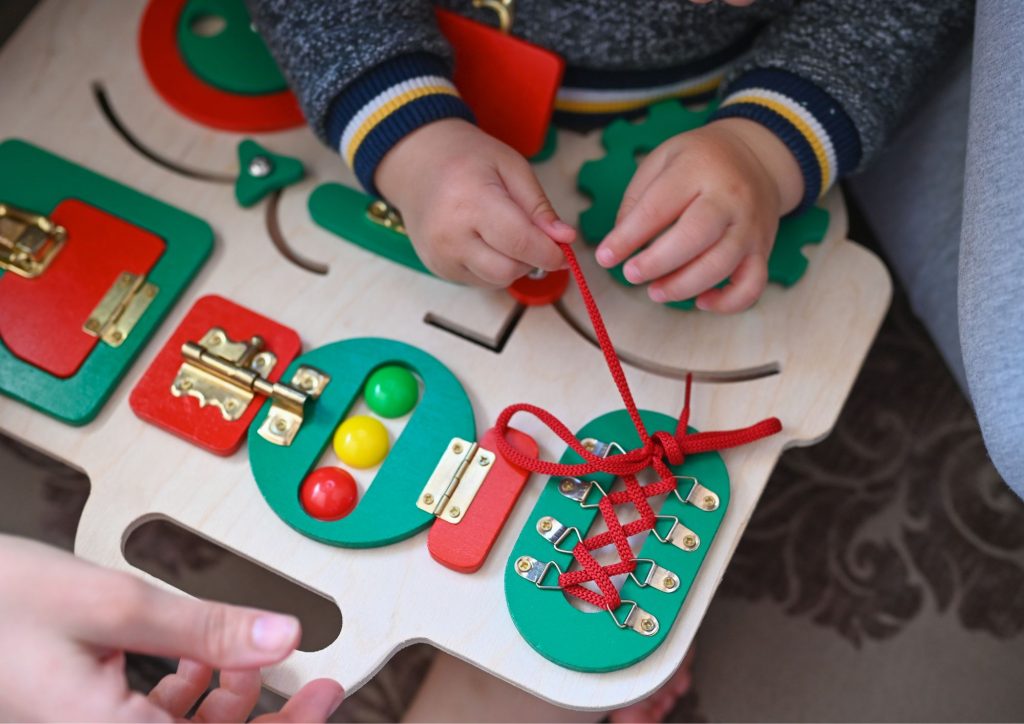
(329, 493)
(535, 292)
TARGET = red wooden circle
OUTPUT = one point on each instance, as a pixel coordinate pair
(538, 292)
(203, 103)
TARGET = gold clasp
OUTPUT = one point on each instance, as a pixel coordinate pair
(505, 10)
(28, 241)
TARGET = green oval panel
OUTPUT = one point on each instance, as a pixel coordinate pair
(218, 43)
(591, 641)
(387, 511)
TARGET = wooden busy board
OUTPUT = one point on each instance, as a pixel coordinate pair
(795, 355)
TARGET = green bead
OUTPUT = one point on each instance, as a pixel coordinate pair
(392, 391)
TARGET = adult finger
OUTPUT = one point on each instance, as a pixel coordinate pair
(710, 268)
(506, 228)
(697, 229)
(492, 268)
(125, 613)
(314, 702)
(178, 692)
(233, 699)
(526, 191)
(744, 288)
(659, 206)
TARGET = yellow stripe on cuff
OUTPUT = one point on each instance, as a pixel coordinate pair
(387, 109)
(806, 131)
(630, 105)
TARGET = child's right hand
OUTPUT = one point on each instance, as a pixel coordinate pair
(472, 206)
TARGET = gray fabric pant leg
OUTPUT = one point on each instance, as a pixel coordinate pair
(947, 202)
(992, 242)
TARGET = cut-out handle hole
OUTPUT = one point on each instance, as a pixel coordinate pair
(205, 569)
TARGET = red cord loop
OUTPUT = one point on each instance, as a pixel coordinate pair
(658, 451)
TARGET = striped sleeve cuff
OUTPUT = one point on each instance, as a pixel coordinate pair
(808, 120)
(387, 103)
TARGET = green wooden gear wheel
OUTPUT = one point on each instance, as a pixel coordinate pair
(605, 180)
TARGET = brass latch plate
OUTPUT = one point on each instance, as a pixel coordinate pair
(28, 242)
(453, 485)
(121, 308)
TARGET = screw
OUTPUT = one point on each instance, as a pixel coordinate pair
(544, 525)
(454, 511)
(566, 486)
(484, 462)
(523, 564)
(217, 339)
(710, 502)
(126, 278)
(230, 405)
(428, 499)
(457, 448)
(307, 382)
(117, 336)
(280, 425)
(186, 384)
(150, 292)
(92, 325)
(590, 444)
(647, 624)
(260, 166)
(690, 542)
(669, 582)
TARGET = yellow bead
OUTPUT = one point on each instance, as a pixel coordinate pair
(361, 441)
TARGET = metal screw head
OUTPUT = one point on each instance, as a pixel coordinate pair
(484, 462)
(523, 564)
(150, 292)
(92, 325)
(260, 166)
(117, 336)
(690, 542)
(457, 448)
(126, 278)
(186, 384)
(710, 502)
(307, 382)
(454, 511)
(647, 623)
(280, 425)
(231, 404)
(566, 485)
(589, 444)
(217, 339)
(544, 525)
(428, 499)
(669, 582)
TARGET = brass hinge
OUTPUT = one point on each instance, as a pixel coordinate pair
(28, 241)
(453, 485)
(380, 212)
(228, 375)
(121, 308)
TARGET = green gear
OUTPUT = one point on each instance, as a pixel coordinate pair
(605, 179)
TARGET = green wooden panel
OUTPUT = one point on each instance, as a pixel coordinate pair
(342, 211)
(37, 180)
(387, 512)
(235, 59)
(590, 641)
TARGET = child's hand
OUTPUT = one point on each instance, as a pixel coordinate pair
(715, 196)
(472, 206)
(65, 625)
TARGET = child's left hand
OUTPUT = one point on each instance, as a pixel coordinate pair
(715, 196)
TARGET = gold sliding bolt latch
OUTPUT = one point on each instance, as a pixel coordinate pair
(28, 241)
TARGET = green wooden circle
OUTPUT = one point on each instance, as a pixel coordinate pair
(387, 512)
(392, 391)
(219, 44)
(590, 641)
(37, 180)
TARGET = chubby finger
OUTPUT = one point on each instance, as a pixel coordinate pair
(136, 707)
(660, 205)
(710, 268)
(697, 229)
(126, 613)
(745, 287)
(491, 268)
(314, 702)
(507, 229)
(526, 191)
(178, 692)
(233, 699)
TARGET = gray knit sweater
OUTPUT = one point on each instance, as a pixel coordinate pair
(831, 77)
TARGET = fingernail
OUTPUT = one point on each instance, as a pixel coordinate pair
(701, 304)
(605, 257)
(657, 295)
(561, 226)
(271, 632)
(632, 274)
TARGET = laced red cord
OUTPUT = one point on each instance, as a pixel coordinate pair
(658, 451)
